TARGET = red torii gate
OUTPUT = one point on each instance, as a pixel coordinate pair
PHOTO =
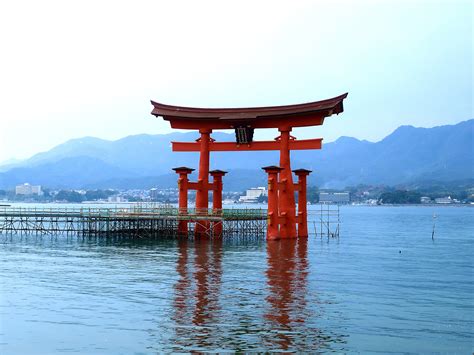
(281, 199)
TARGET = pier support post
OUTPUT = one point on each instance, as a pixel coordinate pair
(217, 199)
(302, 201)
(183, 197)
(273, 231)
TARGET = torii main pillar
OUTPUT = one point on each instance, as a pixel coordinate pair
(202, 193)
(287, 191)
(244, 121)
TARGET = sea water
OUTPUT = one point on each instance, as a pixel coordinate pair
(385, 285)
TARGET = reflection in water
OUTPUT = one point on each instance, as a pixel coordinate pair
(197, 292)
(287, 273)
(294, 312)
(121, 295)
(196, 296)
(210, 317)
(207, 275)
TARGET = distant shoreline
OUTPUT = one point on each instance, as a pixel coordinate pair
(242, 205)
(416, 204)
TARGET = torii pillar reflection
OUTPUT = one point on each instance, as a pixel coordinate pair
(287, 224)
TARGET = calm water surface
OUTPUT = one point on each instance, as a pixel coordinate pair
(383, 286)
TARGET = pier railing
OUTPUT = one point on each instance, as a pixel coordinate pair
(323, 221)
(134, 211)
(135, 220)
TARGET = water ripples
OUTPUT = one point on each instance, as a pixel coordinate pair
(358, 293)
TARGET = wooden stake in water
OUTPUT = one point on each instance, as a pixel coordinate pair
(434, 225)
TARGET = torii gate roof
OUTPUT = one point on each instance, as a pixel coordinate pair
(307, 114)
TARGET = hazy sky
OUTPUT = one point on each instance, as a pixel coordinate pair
(89, 68)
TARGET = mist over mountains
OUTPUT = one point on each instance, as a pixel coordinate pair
(406, 156)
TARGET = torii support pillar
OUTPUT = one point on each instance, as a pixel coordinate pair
(217, 199)
(183, 185)
(202, 193)
(273, 231)
(287, 190)
(302, 207)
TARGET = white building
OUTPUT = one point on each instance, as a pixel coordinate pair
(154, 193)
(27, 189)
(444, 200)
(253, 194)
(425, 199)
(334, 197)
(116, 199)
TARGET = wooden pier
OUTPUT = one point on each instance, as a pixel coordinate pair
(136, 221)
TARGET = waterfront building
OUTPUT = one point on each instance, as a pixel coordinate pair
(253, 194)
(444, 200)
(372, 201)
(27, 189)
(116, 199)
(154, 193)
(334, 197)
(425, 199)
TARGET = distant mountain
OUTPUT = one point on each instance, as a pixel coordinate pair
(10, 162)
(74, 172)
(406, 156)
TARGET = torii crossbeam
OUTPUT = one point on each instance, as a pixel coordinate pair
(283, 220)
